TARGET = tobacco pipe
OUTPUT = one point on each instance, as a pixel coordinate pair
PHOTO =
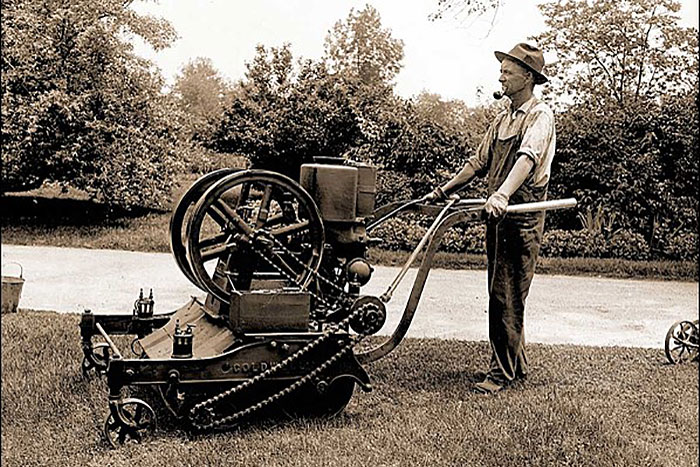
(498, 95)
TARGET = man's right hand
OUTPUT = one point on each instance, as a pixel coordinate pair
(436, 195)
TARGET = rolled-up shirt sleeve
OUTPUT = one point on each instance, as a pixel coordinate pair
(538, 135)
(479, 161)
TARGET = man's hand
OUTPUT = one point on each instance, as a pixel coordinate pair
(436, 195)
(496, 204)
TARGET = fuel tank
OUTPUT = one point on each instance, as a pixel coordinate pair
(344, 192)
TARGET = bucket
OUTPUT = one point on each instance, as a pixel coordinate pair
(11, 291)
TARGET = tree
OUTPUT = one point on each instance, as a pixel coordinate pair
(361, 49)
(201, 94)
(281, 116)
(626, 140)
(78, 107)
(464, 10)
(619, 49)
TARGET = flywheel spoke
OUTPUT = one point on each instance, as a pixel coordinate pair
(215, 252)
(297, 228)
(264, 210)
(216, 240)
(233, 218)
(218, 215)
(215, 247)
(182, 214)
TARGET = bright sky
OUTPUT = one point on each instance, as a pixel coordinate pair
(449, 57)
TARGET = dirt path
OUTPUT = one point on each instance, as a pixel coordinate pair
(561, 309)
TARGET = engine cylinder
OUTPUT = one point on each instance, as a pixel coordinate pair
(334, 188)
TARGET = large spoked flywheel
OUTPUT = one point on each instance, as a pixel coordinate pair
(182, 214)
(254, 223)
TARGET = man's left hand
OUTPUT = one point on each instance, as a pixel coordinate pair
(496, 204)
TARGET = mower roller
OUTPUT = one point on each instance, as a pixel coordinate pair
(282, 264)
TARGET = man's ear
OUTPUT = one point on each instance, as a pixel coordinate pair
(531, 76)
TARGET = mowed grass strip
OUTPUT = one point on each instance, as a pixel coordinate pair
(580, 406)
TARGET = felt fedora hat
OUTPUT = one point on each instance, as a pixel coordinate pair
(528, 56)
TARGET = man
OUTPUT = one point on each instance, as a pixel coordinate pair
(516, 154)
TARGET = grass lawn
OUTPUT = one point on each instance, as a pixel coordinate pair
(580, 406)
(49, 218)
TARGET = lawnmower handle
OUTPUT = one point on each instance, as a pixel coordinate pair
(543, 205)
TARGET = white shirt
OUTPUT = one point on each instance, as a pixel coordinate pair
(535, 120)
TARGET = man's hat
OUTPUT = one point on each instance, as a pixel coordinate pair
(528, 56)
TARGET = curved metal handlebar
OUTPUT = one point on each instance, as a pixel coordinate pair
(388, 211)
(454, 212)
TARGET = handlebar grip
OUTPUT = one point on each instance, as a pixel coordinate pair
(543, 205)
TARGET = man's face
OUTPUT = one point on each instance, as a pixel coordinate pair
(514, 77)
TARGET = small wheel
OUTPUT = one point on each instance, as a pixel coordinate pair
(682, 342)
(310, 402)
(138, 420)
(255, 224)
(181, 214)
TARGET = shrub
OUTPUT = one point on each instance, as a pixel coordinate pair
(200, 160)
(404, 234)
(470, 239)
(574, 243)
(392, 186)
(626, 244)
(399, 234)
(682, 247)
(623, 244)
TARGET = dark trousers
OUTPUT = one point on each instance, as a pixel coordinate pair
(512, 246)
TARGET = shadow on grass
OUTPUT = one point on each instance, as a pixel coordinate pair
(52, 212)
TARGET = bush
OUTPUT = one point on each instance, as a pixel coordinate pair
(628, 245)
(682, 247)
(200, 160)
(623, 244)
(637, 161)
(393, 186)
(470, 239)
(399, 233)
(574, 243)
(404, 234)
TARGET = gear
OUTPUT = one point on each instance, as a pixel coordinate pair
(370, 315)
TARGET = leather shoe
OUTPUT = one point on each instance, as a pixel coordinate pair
(488, 386)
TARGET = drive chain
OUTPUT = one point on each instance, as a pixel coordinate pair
(207, 405)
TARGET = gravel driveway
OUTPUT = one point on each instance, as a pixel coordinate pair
(560, 309)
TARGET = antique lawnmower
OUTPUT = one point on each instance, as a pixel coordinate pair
(282, 264)
(682, 342)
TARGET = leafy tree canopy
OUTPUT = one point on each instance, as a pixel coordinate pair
(281, 116)
(201, 93)
(78, 107)
(361, 49)
(619, 50)
(628, 141)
